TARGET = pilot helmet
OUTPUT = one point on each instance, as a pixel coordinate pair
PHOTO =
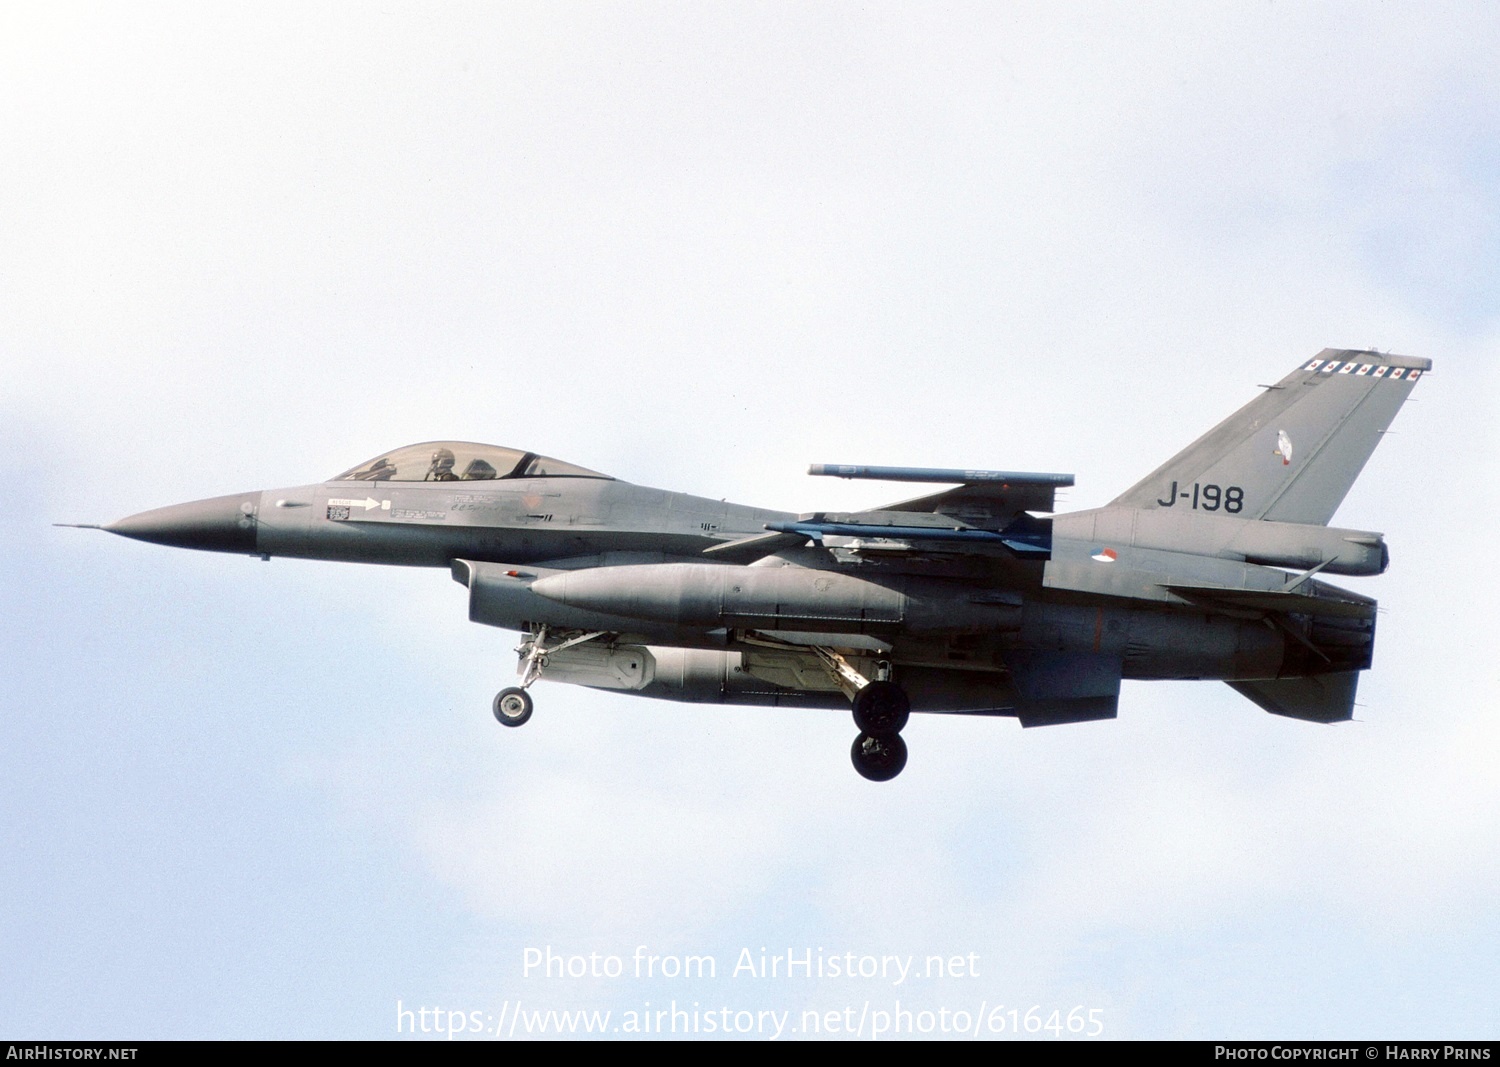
(442, 462)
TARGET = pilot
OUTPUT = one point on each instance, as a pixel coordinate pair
(379, 471)
(442, 467)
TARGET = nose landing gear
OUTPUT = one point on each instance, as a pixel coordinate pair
(513, 705)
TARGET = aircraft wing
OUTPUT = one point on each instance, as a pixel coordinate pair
(746, 550)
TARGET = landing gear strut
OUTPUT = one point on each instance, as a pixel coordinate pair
(881, 709)
(513, 705)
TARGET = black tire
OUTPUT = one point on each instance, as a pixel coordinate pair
(512, 707)
(881, 709)
(878, 758)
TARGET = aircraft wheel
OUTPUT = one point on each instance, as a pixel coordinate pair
(512, 707)
(881, 708)
(880, 757)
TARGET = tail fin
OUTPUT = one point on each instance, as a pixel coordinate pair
(1291, 454)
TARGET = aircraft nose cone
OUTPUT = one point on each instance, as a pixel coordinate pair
(219, 524)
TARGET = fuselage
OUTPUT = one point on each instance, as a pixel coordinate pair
(919, 613)
(529, 520)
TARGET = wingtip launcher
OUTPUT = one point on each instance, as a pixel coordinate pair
(951, 475)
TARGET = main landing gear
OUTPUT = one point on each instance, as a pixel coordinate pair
(878, 757)
(513, 705)
(881, 709)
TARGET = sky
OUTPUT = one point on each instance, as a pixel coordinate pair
(699, 247)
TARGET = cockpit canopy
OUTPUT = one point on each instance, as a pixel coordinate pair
(461, 461)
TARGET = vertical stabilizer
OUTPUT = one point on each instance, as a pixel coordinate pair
(1291, 454)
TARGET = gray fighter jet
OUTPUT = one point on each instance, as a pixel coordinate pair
(972, 600)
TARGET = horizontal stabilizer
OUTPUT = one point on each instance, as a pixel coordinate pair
(1319, 698)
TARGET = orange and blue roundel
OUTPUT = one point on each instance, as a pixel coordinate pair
(1104, 555)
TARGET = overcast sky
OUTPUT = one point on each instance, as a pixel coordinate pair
(699, 247)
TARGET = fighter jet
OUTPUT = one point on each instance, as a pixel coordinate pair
(974, 599)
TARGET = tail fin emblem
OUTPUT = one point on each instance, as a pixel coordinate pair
(1283, 448)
